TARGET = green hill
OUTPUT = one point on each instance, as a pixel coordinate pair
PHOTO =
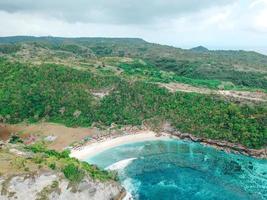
(239, 68)
(199, 49)
(104, 81)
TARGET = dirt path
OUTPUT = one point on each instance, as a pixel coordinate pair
(237, 95)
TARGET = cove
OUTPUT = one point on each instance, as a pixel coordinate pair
(176, 169)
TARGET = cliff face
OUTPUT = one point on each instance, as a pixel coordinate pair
(37, 173)
(218, 144)
(51, 185)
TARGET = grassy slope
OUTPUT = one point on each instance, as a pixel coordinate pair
(208, 68)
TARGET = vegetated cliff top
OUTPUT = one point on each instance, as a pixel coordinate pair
(34, 172)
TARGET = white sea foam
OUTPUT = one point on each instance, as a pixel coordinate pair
(131, 186)
(120, 164)
(128, 196)
(128, 183)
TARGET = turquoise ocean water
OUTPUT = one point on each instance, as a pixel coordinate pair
(174, 169)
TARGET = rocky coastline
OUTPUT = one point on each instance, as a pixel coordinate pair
(50, 185)
(219, 144)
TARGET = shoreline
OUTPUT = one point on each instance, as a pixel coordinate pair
(90, 150)
(108, 142)
(222, 145)
(93, 148)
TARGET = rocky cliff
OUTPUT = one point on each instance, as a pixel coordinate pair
(50, 185)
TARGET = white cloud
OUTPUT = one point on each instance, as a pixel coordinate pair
(255, 3)
(259, 19)
(240, 24)
(110, 11)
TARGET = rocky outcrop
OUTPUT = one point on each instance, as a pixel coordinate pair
(53, 186)
(218, 144)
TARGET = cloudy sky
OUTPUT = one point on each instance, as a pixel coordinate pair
(227, 24)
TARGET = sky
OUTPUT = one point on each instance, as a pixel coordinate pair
(216, 24)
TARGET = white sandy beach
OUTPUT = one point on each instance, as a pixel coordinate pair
(97, 147)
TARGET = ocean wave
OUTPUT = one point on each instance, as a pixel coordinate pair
(120, 164)
(129, 184)
(131, 187)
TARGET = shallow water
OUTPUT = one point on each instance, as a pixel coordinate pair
(175, 169)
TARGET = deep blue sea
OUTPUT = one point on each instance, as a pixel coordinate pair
(174, 169)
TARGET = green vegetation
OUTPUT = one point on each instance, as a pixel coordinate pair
(49, 91)
(197, 66)
(37, 157)
(56, 80)
(15, 139)
(73, 173)
(52, 166)
(206, 71)
(9, 49)
(201, 115)
(148, 72)
(62, 94)
(73, 169)
(40, 148)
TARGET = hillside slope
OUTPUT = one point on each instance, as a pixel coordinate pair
(214, 68)
(104, 81)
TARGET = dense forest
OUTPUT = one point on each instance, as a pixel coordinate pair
(58, 93)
